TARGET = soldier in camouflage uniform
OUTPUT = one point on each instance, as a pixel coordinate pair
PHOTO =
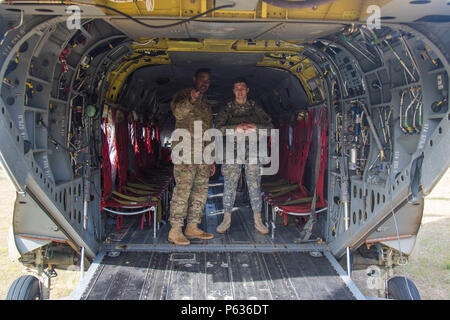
(244, 116)
(191, 190)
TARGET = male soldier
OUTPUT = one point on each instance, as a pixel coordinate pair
(244, 116)
(191, 190)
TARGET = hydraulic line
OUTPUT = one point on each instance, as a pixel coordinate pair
(386, 119)
(69, 2)
(400, 60)
(418, 109)
(345, 200)
(13, 28)
(406, 113)
(401, 113)
(356, 49)
(408, 51)
(376, 41)
(374, 132)
(382, 124)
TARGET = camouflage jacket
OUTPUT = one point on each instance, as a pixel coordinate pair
(186, 113)
(234, 114)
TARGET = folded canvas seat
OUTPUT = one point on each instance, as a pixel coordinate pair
(286, 194)
(145, 192)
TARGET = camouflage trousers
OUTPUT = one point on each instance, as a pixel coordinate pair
(190, 193)
(231, 174)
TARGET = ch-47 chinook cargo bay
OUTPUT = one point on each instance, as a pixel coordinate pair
(353, 95)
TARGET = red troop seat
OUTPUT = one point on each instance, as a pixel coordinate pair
(285, 193)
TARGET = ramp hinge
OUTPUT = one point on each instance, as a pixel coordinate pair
(22, 193)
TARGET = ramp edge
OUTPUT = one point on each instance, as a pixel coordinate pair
(82, 286)
(347, 280)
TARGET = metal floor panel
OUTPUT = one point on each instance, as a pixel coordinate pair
(241, 264)
(241, 233)
(216, 276)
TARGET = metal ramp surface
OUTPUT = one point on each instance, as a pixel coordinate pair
(216, 276)
(238, 265)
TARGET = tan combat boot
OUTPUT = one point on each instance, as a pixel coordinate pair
(193, 232)
(177, 237)
(225, 225)
(259, 226)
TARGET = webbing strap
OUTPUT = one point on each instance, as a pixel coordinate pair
(323, 162)
(157, 133)
(106, 164)
(114, 145)
(318, 184)
(305, 148)
(140, 148)
(284, 151)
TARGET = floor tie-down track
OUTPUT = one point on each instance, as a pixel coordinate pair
(238, 265)
(216, 275)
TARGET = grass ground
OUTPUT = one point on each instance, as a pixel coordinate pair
(10, 270)
(429, 265)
